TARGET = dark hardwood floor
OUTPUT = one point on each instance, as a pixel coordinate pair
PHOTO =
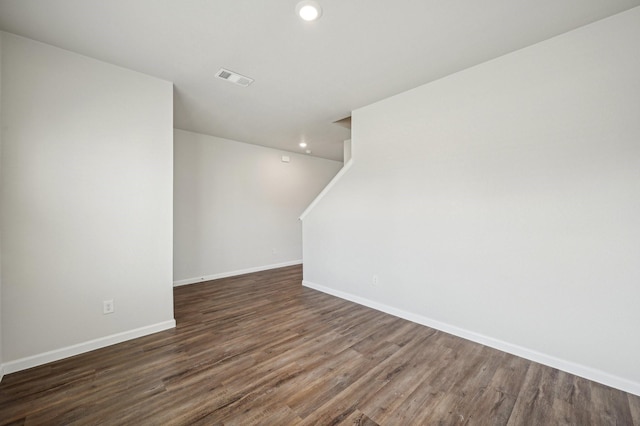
(261, 349)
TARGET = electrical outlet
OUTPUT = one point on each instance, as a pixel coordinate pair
(108, 307)
(374, 280)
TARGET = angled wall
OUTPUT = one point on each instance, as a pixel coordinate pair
(86, 172)
(501, 203)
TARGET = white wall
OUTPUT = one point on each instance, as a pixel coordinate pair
(347, 151)
(502, 203)
(236, 205)
(1, 366)
(86, 203)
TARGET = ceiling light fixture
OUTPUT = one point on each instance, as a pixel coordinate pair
(303, 144)
(308, 10)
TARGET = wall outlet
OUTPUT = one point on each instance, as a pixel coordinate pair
(108, 307)
(374, 280)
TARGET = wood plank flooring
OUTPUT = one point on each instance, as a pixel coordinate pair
(261, 349)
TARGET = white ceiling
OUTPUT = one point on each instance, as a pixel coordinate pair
(307, 75)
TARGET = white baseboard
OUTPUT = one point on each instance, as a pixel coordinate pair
(80, 348)
(532, 355)
(1, 373)
(234, 273)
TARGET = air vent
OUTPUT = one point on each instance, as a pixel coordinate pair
(234, 77)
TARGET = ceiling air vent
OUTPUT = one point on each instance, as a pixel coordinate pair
(234, 77)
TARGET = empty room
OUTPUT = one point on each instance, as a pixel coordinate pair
(299, 212)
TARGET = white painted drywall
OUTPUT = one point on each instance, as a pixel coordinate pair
(237, 205)
(503, 200)
(1, 367)
(347, 151)
(86, 198)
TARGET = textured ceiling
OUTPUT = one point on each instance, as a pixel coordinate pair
(307, 75)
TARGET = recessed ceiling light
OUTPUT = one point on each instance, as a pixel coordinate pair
(303, 144)
(308, 10)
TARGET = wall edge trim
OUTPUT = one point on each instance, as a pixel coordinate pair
(523, 352)
(80, 348)
(204, 278)
(327, 188)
